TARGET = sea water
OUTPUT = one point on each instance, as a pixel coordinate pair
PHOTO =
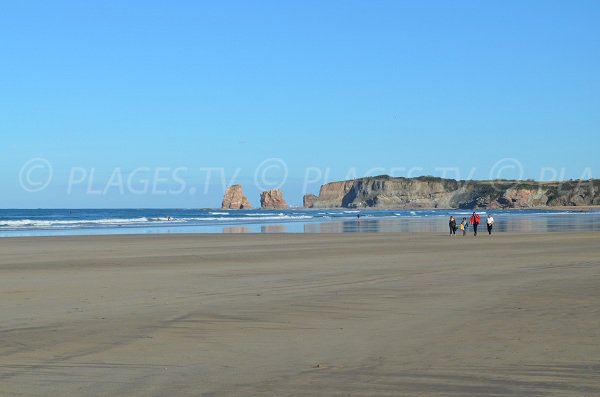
(49, 222)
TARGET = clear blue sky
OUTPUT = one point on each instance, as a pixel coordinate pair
(406, 87)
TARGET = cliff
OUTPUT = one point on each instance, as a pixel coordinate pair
(309, 200)
(430, 192)
(234, 199)
(272, 199)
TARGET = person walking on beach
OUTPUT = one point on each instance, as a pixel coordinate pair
(452, 225)
(490, 223)
(463, 226)
(475, 219)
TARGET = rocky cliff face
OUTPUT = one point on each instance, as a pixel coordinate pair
(272, 199)
(308, 200)
(234, 199)
(430, 192)
(333, 194)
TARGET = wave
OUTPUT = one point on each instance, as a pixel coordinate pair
(266, 217)
(24, 220)
(265, 214)
(32, 222)
(132, 222)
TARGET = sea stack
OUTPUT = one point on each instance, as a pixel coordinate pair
(272, 199)
(234, 199)
(308, 201)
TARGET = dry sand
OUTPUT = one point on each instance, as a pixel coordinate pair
(300, 315)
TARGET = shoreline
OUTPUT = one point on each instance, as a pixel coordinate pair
(558, 207)
(548, 208)
(138, 221)
(482, 234)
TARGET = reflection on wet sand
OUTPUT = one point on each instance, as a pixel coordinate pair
(278, 228)
(547, 223)
(375, 226)
(503, 224)
(236, 229)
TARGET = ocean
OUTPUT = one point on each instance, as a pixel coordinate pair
(51, 222)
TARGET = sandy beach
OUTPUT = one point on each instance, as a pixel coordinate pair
(382, 314)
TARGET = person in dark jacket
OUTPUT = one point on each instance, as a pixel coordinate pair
(452, 225)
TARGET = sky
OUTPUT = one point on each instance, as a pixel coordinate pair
(108, 104)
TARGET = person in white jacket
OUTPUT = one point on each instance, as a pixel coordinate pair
(490, 223)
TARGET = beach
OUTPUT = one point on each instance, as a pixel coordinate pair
(355, 314)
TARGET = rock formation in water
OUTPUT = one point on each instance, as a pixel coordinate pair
(234, 199)
(272, 199)
(430, 192)
(309, 200)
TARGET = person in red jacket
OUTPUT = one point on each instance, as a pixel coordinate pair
(475, 222)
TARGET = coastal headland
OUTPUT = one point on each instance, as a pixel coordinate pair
(433, 192)
(427, 192)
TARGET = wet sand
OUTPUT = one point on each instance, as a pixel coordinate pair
(301, 315)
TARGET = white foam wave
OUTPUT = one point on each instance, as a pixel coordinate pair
(78, 222)
(141, 221)
(276, 217)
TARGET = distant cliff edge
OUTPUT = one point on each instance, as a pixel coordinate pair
(431, 192)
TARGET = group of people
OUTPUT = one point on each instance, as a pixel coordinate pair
(475, 220)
